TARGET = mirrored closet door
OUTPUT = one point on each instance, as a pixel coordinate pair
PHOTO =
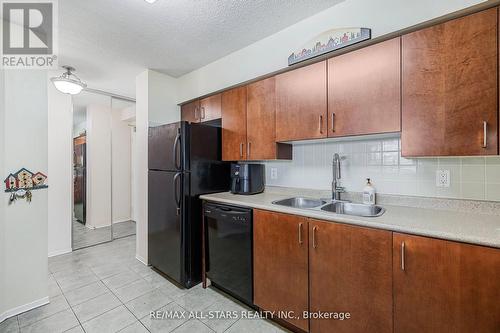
(123, 167)
(103, 169)
(92, 212)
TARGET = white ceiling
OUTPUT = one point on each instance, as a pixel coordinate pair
(111, 41)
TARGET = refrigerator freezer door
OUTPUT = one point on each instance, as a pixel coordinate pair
(165, 223)
(165, 147)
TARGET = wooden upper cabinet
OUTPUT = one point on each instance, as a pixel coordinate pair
(190, 112)
(280, 246)
(210, 108)
(301, 103)
(261, 123)
(443, 286)
(450, 89)
(364, 91)
(350, 270)
(234, 124)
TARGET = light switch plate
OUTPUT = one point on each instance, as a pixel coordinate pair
(274, 173)
(443, 178)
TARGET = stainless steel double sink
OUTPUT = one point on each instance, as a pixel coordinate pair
(337, 207)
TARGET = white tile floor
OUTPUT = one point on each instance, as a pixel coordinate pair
(83, 236)
(105, 289)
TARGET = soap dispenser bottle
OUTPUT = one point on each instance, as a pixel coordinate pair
(369, 193)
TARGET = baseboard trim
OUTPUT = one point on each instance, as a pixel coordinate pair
(121, 221)
(141, 259)
(59, 252)
(23, 308)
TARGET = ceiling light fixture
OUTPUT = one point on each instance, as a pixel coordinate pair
(150, 1)
(68, 82)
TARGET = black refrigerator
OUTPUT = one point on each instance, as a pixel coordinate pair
(185, 161)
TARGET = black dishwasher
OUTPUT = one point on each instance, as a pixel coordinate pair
(228, 249)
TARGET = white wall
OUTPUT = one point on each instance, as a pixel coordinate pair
(3, 305)
(156, 96)
(134, 152)
(60, 152)
(141, 166)
(24, 243)
(162, 99)
(121, 167)
(98, 166)
(271, 53)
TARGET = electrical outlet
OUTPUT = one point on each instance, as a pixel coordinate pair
(274, 173)
(443, 178)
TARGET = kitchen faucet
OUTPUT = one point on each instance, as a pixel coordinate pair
(336, 189)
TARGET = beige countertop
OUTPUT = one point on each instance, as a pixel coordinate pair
(474, 228)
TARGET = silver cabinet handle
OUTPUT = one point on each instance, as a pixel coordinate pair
(248, 149)
(241, 150)
(403, 256)
(321, 124)
(196, 113)
(314, 237)
(333, 122)
(485, 134)
(202, 112)
(300, 233)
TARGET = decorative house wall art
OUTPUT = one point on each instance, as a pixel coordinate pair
(10, 182)
(39, 179)
(21, 183)
(24, 178)
(329, 41)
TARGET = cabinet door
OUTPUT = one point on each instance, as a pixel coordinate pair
(280, 248)
(450, 89)
(261, 123)
(261, 120)
(350, 271)
(364, 91)
(190, 112)
(234, 124)
(443, 286)
(301, 105)
(210, 108)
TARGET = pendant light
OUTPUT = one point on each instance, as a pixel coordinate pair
(68, 82)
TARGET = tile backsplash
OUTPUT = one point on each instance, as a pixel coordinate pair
(476, 178)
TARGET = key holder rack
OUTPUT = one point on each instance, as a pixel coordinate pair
(21, 183)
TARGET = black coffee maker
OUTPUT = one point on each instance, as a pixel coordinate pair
(247, 179)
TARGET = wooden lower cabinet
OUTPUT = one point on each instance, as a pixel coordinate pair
(444, 286)
(281, 264)
(387, 282)
(350, 270)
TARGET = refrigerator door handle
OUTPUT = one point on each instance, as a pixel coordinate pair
(177, 195)
(176, 159)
